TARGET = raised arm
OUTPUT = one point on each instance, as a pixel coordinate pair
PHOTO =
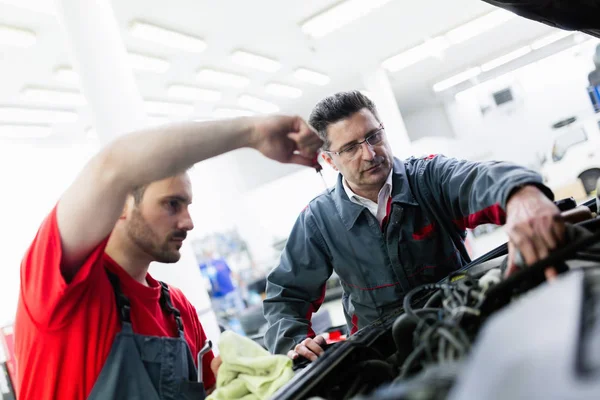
(89, 209)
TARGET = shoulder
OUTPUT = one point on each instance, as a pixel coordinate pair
(179, 300)
(320, 204)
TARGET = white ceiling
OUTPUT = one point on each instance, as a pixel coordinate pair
(270, 28)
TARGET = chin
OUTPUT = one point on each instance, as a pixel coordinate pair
(170, 258)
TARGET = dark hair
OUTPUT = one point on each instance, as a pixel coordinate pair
(337, 107)
(138, 192)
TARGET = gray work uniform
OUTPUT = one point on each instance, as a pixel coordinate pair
(434, 199)
(147, 367)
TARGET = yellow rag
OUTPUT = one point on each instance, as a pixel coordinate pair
(248, 371)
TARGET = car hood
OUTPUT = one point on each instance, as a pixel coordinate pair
(581, 15)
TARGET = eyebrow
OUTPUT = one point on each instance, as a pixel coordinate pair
(352, 142)
(180, 198)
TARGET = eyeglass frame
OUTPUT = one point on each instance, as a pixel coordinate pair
(358, 144)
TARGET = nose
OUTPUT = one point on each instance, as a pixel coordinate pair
(368, 153)
(186, 223)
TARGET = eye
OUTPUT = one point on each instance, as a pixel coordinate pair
(350, 149)
(173, 205)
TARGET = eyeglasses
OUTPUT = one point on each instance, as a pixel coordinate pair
(352, 151)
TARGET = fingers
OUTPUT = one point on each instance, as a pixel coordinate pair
(301, 160)
(535, 240)
(521, 236)
(215, 364)
(550, 274)
(511, 267)
(308, 348)
(320, 340)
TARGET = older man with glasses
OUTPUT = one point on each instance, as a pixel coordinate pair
(389, 225)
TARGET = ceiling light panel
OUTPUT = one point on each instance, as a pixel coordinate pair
(547, 40)
(505, 59)
(36, 115)
(255, 61)
(430, 48)
(168, 108)
(479, 26)
(16, 37)
(456, 79)
(221, 113)
(280, 90)
(66, 75)
(14, 131)
(193, 93)
(166, 37)
(221, 78)
(312, 77)
(143, 62)
(340, 15)
(256, 104)
(53, 97)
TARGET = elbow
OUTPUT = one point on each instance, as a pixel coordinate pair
(111, 169)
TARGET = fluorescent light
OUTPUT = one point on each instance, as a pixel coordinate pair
(36, 115)
(545, 41)
(430, 48)
(16, 37)
(280, 90)
(255, 61)
(215, 77)
(37, 6)
(167, 37)
(14, 131)
(478, 26)
(308, 76)
(220, 113)
(54, 97)
(148, 63)
(456, 79)
(339, 15)
(256, 104)
(168, 108)
(193, 93)
(66, 75)
(513, 55)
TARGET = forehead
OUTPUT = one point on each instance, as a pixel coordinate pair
(355, 127)
(179, 185)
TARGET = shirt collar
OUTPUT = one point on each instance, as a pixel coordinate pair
(349, 211)
(353, 196)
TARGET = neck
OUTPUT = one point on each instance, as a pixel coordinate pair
(129, 257)
(371, 193)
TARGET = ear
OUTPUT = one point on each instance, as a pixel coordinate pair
(128, 204)
(329, 160)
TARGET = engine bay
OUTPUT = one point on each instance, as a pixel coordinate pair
(478, 335)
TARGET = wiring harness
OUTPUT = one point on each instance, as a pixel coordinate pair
(443, 330)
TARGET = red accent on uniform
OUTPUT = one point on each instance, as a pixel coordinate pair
(491, 215)
(64, 331)
(313, 308)
(388, 209)
(354, 328)
(424, 233)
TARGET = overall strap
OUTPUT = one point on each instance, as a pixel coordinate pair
(123, 304)
(167, 305)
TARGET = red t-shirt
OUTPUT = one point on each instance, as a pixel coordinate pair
(64, 332)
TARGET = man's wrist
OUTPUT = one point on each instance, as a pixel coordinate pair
(523, 190)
